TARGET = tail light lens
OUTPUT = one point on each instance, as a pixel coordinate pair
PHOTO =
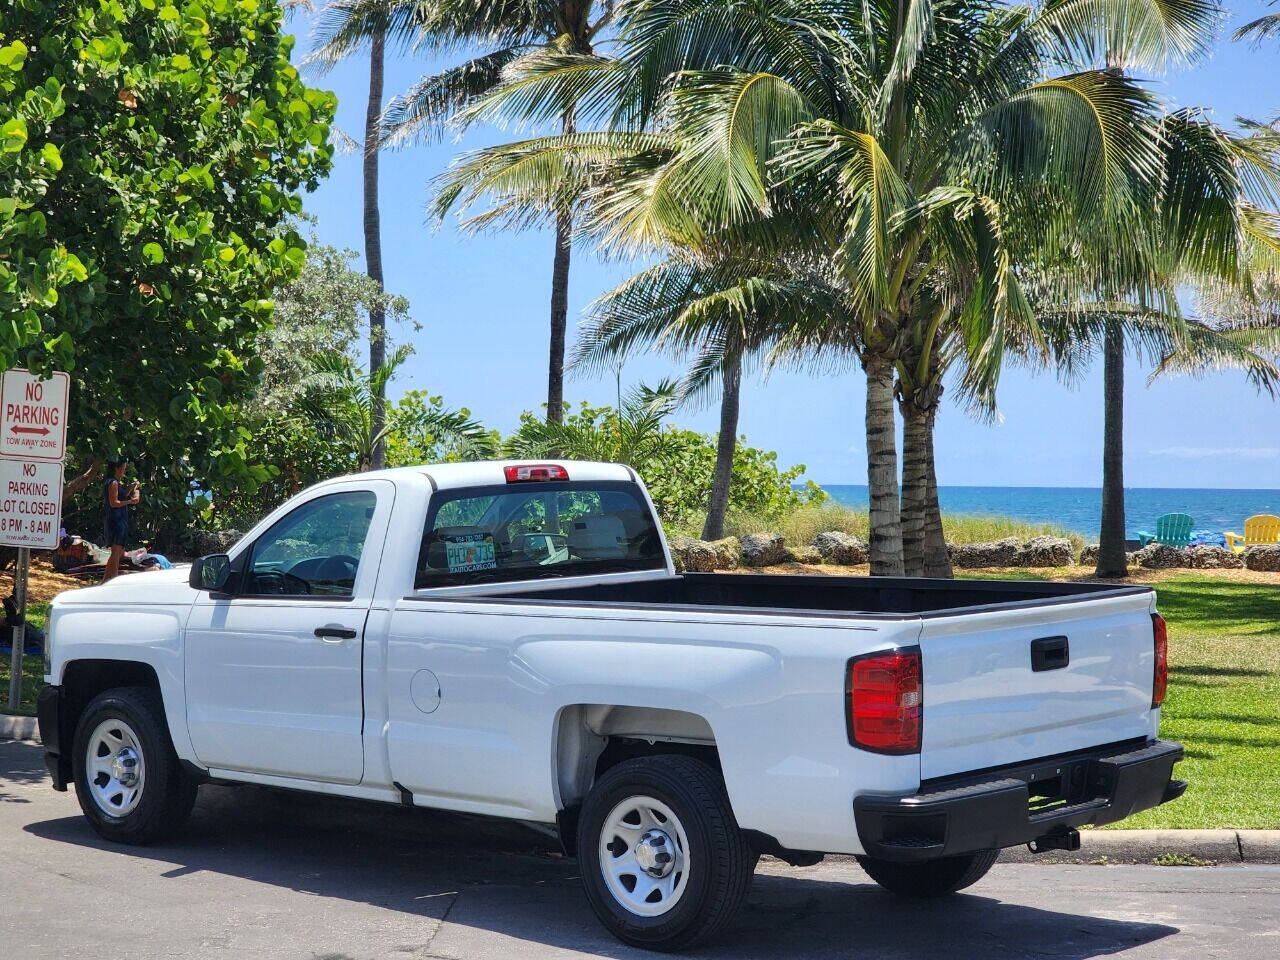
(886, 701)
(1160, 683)
(535, 473)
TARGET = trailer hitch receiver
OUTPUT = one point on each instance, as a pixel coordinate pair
(1068, 839)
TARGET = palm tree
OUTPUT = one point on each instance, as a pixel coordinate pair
(508, 30)
(1261, 29)
(374, 33)
(910, 132)
(1211, 235)
(681, 305)
(340, 402)
(924, 140)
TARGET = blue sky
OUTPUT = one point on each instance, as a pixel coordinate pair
(482, 303)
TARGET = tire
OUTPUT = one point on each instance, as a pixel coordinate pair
(709, 859)
(126, 729)
(933, 878)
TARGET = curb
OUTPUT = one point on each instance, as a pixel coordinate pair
(1179, 848)
(18, 728)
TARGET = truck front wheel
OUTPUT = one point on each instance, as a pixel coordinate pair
(663, 861)
(130, 783)
(932, 878)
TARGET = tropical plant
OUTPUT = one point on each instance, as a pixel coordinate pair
(675, 306)
(678, 466)
(508, 31)
(156, 160)
(430, 432)
(927, 150)
(632, 433)
(339, 400)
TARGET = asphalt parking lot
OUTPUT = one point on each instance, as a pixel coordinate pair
(269, 874)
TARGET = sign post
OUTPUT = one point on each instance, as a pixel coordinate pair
(33, 446)
(20, 570)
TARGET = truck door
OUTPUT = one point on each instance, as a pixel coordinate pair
(273, 670)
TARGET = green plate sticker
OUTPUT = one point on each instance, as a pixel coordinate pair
(470, 551)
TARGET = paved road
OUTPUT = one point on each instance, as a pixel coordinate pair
(266, 874)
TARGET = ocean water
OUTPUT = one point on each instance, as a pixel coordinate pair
(1080, 508)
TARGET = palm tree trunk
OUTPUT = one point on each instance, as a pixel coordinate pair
(882, 469)
(373, 236)
(559, 302)
(1111, 553)
(915, 485)
(937, 558)
(726, 446)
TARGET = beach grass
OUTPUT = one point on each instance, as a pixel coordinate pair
(802, 524)
(1223, 703)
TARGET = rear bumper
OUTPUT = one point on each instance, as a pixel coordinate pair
(57, 754)
(1008, 806)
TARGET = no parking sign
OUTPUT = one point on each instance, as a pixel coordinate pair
(33, 444)
(33, 415)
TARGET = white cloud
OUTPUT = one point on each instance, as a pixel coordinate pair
(1226, 453)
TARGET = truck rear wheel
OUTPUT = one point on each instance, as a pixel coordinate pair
(932, 878)
(663, 862)
(130, 783)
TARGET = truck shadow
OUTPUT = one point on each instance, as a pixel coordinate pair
(491, 877)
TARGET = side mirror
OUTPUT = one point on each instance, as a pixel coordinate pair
(210, 573)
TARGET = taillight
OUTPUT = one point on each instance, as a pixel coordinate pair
(885, 694)
(1160, 683)
(535, 473)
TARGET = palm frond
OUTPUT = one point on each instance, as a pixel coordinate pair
(544, 85)
(1129, 34)
(420, 114)
(1259, 30)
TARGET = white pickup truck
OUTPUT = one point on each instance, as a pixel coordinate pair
(512, 639)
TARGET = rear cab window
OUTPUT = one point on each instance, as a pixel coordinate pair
(537, 531)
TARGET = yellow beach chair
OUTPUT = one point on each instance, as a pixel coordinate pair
(1263, 528)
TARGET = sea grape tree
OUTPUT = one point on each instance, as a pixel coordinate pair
(151, 151)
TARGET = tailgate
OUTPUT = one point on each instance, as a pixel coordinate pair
(1002, 686)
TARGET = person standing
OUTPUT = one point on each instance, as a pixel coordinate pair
(116, 504)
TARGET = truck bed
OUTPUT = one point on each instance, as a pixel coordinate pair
(876, 597)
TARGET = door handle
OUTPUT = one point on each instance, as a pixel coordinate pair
(1049, 653)
(334, 634)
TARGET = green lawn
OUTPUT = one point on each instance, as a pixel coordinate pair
(32, 668)
(1223, 703)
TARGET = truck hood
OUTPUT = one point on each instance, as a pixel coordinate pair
(157, 586)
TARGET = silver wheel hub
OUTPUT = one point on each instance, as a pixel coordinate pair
(643, 856)
(656, 854)
(124, 767)
(114, 767)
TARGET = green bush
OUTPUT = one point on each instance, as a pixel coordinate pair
(679, 481)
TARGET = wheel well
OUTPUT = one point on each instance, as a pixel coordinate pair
(592, 737)
(82, 680)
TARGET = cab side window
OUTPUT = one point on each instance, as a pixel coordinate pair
(314, 550)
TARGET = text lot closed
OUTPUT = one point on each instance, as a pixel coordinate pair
(30, 503)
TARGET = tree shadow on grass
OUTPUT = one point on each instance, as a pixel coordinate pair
(1204, 670)
(492, 877)
(1242, 609)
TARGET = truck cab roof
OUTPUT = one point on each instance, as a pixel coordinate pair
(481, 473)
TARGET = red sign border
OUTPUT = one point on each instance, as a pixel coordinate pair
(56, 373)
